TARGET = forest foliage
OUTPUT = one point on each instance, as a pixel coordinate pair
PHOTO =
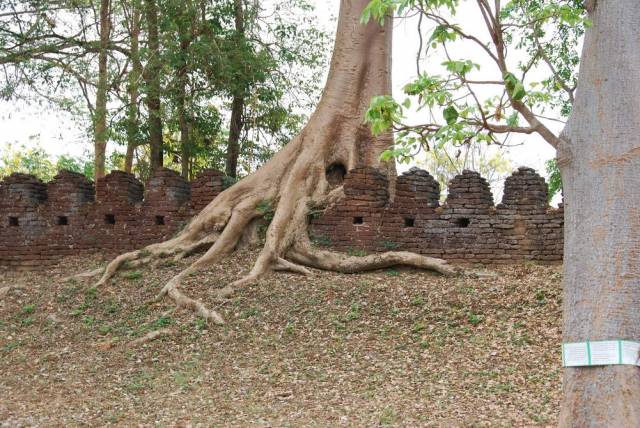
(202, 62)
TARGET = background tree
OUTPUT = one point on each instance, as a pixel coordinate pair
(448, 161)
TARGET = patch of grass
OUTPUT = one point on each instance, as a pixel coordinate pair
(248, 313)
(417, 327)
(389, 417)
(474, 319)
(393, 272)
(111, 307)
(139, 381)
(417, 301)
(10, 347)
(354, 312)
(133, 275)
(162, 322)
(28, 309)
(88, 321)
(27, 321)
(289, 329)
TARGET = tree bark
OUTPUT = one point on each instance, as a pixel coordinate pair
(134, 83)
(237, 105)
(599, 159)
(152, 79)
(295, 178)
(101, 93)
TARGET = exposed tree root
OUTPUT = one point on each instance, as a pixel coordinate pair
(151, 336)
(84, 275)
(328, 260)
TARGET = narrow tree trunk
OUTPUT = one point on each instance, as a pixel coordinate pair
(134, 83)
(101, 93)
(152, 78)
(186, 35)
(237, 105)
(235, 130)
(600, 165)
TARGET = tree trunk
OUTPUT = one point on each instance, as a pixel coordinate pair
(295, 178)
(600, 165)
(101, 93)
(186, 36)
(235, 130)
(237, 105)
(152, 79)
(134, 83)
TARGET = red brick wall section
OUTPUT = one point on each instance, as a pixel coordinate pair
(39, 223)
(467, 228)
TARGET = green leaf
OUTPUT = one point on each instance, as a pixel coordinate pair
(450, 115)
(518, 92)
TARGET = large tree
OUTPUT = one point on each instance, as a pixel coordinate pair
(294, 181)
(599, 158)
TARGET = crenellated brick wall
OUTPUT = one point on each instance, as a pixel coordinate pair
(466, 228)
(40, 223)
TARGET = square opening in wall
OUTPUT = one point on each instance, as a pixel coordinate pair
(358, 220)
(62, 220)
(409, 222)
(110, 219)
(160, 220)
(463, 222)
(13, 221)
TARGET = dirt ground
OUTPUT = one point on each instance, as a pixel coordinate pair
(388, 348)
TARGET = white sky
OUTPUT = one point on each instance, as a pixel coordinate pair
(56, 133)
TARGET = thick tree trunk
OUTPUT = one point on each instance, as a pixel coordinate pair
(134, 83)
(152, 78)
(101, 93)
(600, 164)
(295, 178)
(237, 105)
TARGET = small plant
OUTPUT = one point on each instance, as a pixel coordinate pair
(162, 322)
(321, 241)
(474, 319)
(27, 321)
(541, 297)
(393, 272)
(251, 312)
(357, 252)
(390, 245)
(289, 329)
(201, 324)
(418, 301)
(28, 309)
